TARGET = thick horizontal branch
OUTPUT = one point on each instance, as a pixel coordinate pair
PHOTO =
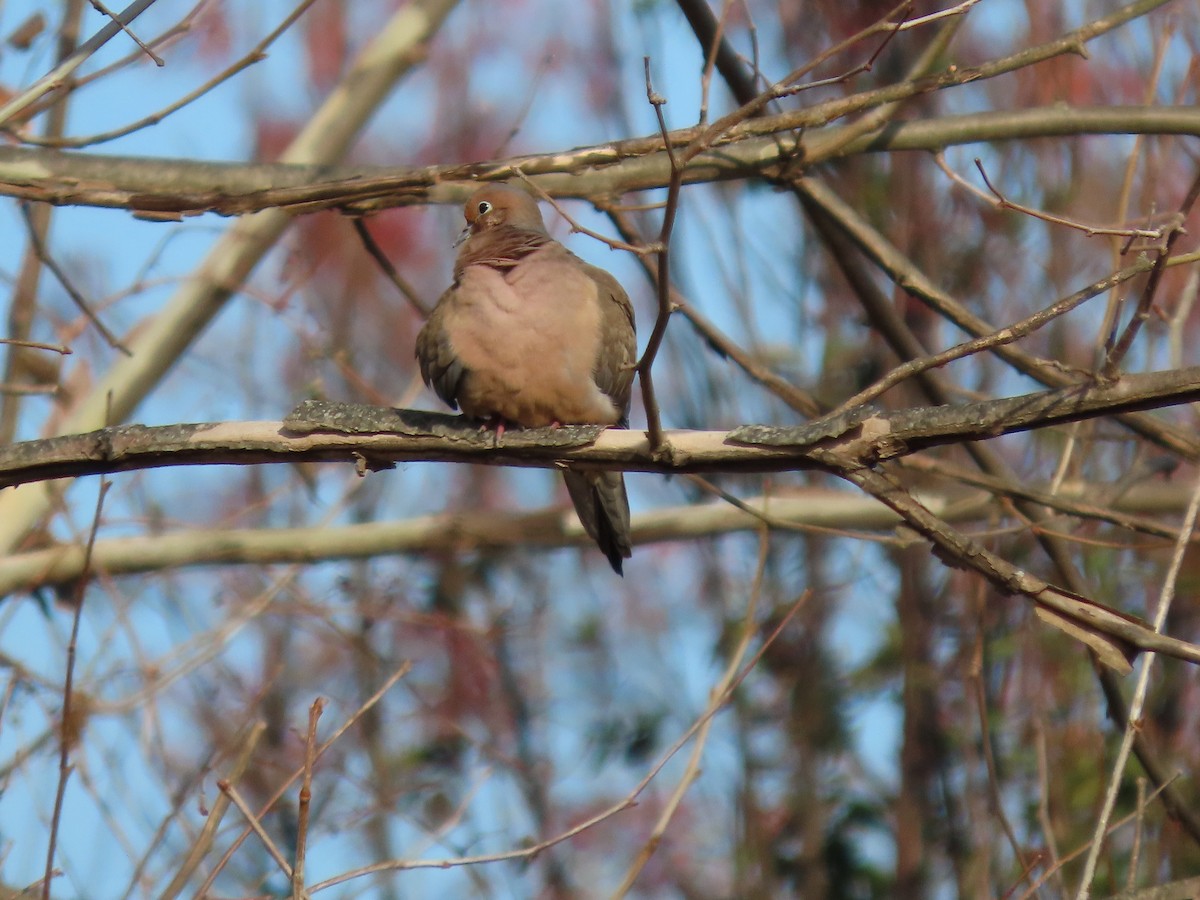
(849, 446)
(447, 439)
(910, 430)
(801, 510)
(27, 175)
(169, 188)
(445, 533)
(376, 437)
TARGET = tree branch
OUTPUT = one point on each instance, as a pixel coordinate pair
(849, 446)
(377, 437)
(170, 188)
(1144, 509)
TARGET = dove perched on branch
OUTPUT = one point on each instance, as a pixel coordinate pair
(529, 334)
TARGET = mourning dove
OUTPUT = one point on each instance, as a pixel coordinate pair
(530, 334)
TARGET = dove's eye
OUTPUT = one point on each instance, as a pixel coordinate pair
(484, 207)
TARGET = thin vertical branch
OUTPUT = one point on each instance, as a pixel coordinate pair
(310, 755)
(70, 729)
(1076, 853)
(23, 305)
(203, 843)
(653, 417)
(1174, 231)
(985, 740)
(1043, 810)
(366, 706)
(721, 344)
(698, 12)
(1133, 720)
(1121, 212)
(1135, 853)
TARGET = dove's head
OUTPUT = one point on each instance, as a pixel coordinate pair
(498, 204)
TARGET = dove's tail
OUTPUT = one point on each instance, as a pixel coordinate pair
(603, 508)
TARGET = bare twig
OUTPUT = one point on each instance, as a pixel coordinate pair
(1043, 812)
(396, 865)
(101, 8)
(71, 725)
(1101, 504)
(946, 13)
(531, 92)
(639, 249)
(172, 33)
(354, 717)
(62, 73)
(765, 511)
(1117, 246)
(646, 363)
(1174, 231)
(204, 841)
(1135, 852)
(237, 800)
(1181, 808)
(377, 254)
(528, 773)
(1002, 202)
(39, 248)
(877, 118)
(997, 338)
(23, 304)
(1177, 327)
(256, 55)
(721, 343)
(752, 107)
(1079, 851)
(1132, 725)
(985, 740)
(310, 753)
(37, 345)
(715, 44)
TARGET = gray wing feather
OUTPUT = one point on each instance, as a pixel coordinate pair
(441, 368)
